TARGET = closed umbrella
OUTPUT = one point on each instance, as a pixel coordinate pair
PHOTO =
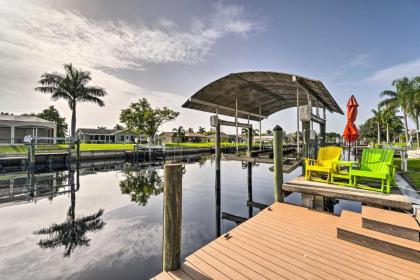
(350, 131)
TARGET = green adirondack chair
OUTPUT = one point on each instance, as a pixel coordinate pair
(323, 164)
(375, 165)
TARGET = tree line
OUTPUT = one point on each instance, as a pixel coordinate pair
(73, 87)
(385, 124)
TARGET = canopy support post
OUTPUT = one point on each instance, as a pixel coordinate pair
(236, 123)
(260, 130)
(323, 130)
(249, 139)
(297, 123)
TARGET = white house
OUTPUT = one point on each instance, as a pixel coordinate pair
(14, 128)
(104, 135)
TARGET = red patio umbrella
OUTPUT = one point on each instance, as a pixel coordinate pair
(350, 131)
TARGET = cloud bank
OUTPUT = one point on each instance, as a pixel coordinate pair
(35, 39)
(56, 33)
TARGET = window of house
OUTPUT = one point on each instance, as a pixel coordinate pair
(102, 137)
(122, 138)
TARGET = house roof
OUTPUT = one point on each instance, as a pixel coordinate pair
(194, 134)
(104, 131)
(22, 118)
(270, 91)
(222, 134)
(166, 133)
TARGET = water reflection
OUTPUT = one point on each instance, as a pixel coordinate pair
(72, 232)
(141, 184)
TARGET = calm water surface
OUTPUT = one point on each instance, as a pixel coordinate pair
(109, 225)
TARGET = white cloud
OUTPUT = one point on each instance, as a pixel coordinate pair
(35, 39)
(387, 75)
(114, 44)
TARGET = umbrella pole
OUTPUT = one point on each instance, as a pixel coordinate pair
(348, 157)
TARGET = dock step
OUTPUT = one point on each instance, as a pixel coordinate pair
(350, 229)
(391, 222)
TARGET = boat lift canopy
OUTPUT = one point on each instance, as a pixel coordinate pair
(257, 95)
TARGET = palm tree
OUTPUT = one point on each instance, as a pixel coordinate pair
(269, 132)
(179, 133)
(378, 118)
(72, 87)
(388, 117)
(201, 130)
(415, 107)
(402, 98)
(72, 232)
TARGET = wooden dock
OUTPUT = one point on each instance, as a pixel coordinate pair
(394, 200)
(290, 242)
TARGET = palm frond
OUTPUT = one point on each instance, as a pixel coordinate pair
(92, 99)
(95, 91)
(388, 93)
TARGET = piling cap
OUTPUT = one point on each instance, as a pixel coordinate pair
(277, 128)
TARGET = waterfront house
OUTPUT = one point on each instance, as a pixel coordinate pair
(224, 137)
(195, 137)
(105, 135)
(14, 128)
(167, 137)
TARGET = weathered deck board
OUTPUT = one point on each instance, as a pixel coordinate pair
(291, 242)
(394, 199)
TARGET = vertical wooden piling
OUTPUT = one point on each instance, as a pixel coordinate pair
(278, 163)
(217, 182)
(172, 213)
(249, 148)
(250, 208)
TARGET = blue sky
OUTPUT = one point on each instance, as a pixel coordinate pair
(167, 50)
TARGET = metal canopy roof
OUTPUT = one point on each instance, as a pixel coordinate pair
(270, 91)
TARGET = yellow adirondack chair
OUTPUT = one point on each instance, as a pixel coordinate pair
(323, 164)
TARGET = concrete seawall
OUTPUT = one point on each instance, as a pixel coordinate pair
(20, 161)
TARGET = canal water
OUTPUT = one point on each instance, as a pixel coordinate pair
(106, 222)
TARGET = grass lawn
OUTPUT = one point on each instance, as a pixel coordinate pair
(9, 149)
(413, 174)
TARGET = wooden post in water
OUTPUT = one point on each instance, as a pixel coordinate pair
(250, 207)
(249, 148)
(217, 181)
(278, 163)
(172, 213)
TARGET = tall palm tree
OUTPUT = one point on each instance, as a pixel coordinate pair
(415, 107)
(388, 117)
(179, 133)
(378, 116)
(72, 232)
(401, 98)
(71, 86)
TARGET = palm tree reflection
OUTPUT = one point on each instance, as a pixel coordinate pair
(72, 232)
(141, 184)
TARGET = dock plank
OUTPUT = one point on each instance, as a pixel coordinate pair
(290, 242)
(310, 230)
